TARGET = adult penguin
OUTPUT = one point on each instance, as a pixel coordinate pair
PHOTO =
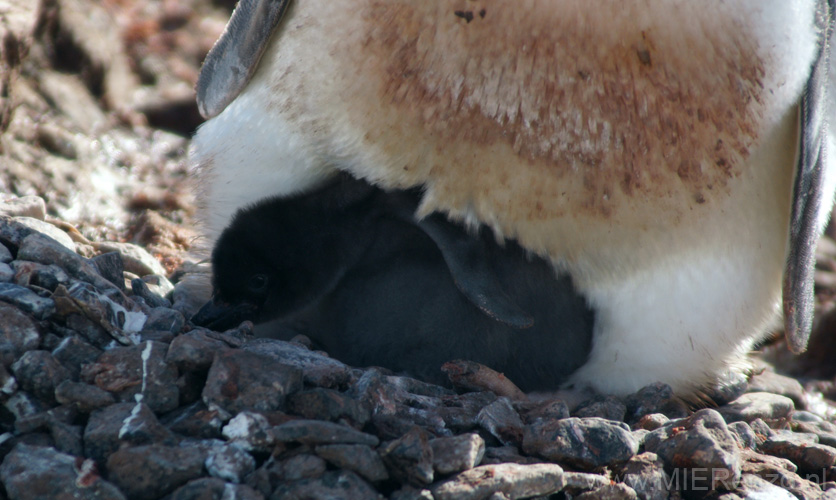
(668, 155)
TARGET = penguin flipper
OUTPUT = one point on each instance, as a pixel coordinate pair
(470, 268)
(808, 216)
(234, 57)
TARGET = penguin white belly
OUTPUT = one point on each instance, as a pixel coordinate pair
(648, 148)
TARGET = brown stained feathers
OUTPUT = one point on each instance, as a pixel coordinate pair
(614, 109)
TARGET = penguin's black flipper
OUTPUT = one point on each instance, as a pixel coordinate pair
(235, 56)
(469, 265)
(806, 218)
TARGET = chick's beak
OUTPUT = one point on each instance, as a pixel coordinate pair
(219, 315)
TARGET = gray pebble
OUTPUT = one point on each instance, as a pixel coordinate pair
(7, 274)
(214, 488)
(153, 299)
(502, 421)
(317, 370)
(35, 473)
(579, 482)
(40, 373)
(513, 480)
(357, 458)
(85, 397)
(318, 432)
(165, 319)
(136, 259)
(744, 435)
(240, 380)
(110, 426)
(229, 462)
(645, 473)
(19, 331)
(410, 458)
(251, 431)
(801, 449)
(608, 407)
(763, 405)
(328, 404)
(457, 453)
(27, 300)
(586, 443)
(109, 266)
(344, 485)
(151, 471)
(618, 491)
(5, 254)
(25, 206)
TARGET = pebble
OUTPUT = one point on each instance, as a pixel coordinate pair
(110, 267)
(512, 480)
(654, 398)
(37, 473)
(328, 404)
(703, 447)
(502, 421)
(213, 488)
(7, 274)
(18, 333)
(802, 450)
(358, 458)
(251, 431)
(39, 276)
(763, 405)
(276, 472)
(229, 462)
(579, 482)
(317, 370)
(5, 254)
(24, 206)
(151, 471)
(618, 491)
(410, 458)
(318, 432)
(27, 300)
(135, 259)
(108, 427)
(608, 407)
(40, 373)
(153, 299)
(645, 474)
(587, 443)
(343, 484)
(457, 453)
(85, 397)
(241, 380)
(73, 352)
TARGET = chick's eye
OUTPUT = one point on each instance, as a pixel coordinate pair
(258, 283)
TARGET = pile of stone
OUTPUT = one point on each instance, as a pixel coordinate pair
(108, 392)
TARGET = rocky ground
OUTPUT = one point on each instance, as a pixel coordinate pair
(106, 391)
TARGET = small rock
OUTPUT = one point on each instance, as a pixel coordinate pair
(136, 259)
(645, 473)
(32, 274)
(110, 267)
(40, 373)
(763, 405)
(194, 420)
(513, 480)
(651, 422)
(18, 331)
(85, 397)
(506, 454)
(21, 404)
(802, 450)
(335, 484)
(72, 352)
(151, 471)
(276, 472)
(240, 380)
(550, 410)
(318, 432)
(31, 472)
(7, 274)
(165, 319)
(608, 407)
(25, 206)
(109, 426)
(251, 431)
(744, 435)
(502, 421)
(616, 491)
(317, 370)
(756, 488)
(210, 488)
(457, 453)
(159, 285)
(579, 482)
(67, 438)
(411, 493)
(773, 383)
(410, 458)
(38, 248)
(654, 398)
(825, 431)
(5, 254)
(27, 300)
(357, 458)
(140, 289)
(704, 448)
(587, 443)
(43, 230)
(137, 370)
(328, 404)
(229, 462)
(194, 350)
